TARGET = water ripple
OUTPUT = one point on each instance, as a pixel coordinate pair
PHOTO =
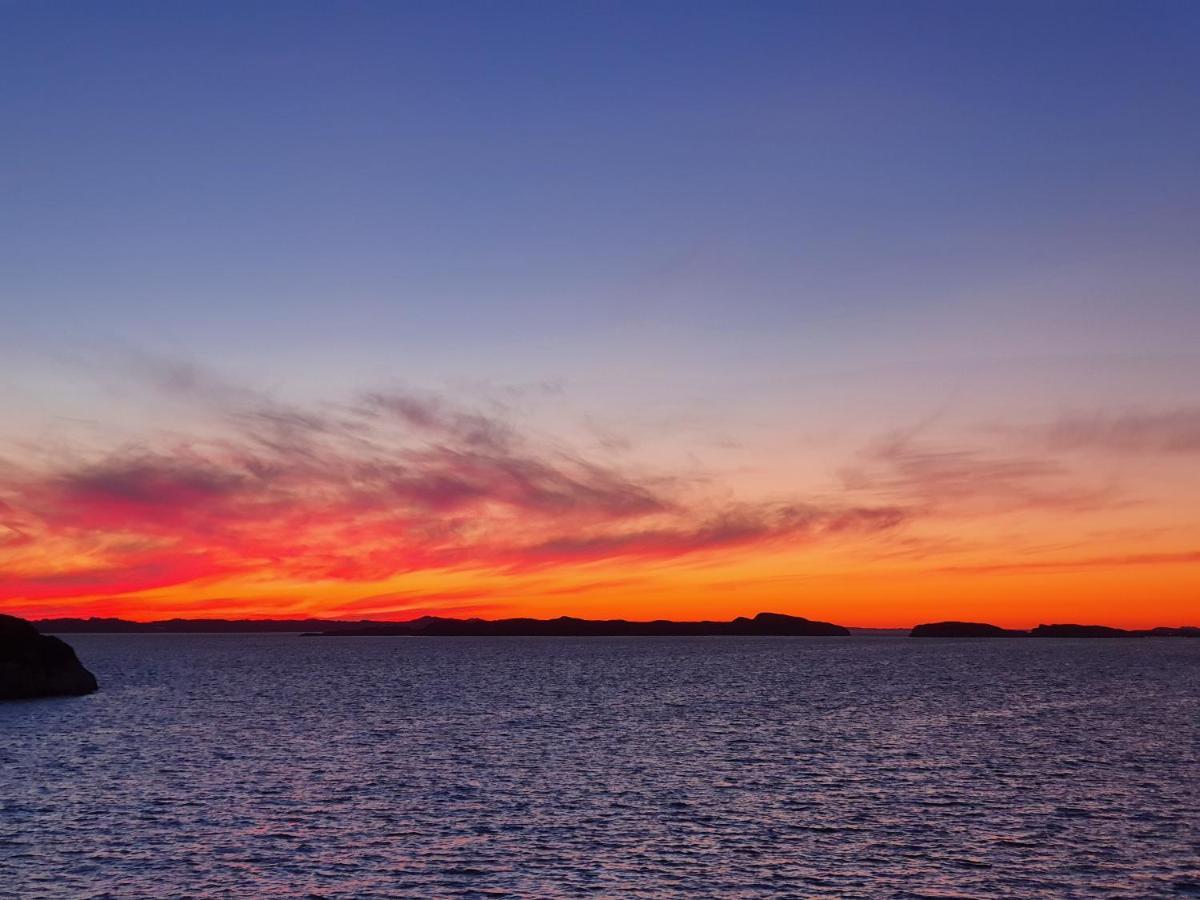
(743, 767)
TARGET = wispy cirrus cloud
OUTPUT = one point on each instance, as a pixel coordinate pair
(965, 480)
(1175, 431)
(1072, 565)
(390, 484)
(384, 484)
(740, 526)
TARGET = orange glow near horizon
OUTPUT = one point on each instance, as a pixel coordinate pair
(397, 507)
(1125, 594)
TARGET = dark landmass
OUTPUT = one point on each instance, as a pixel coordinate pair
(878, 632)
(1181, 631)
(984, 630)
(38, 665)
(1083, 631)
(565, 626)
(964, 629)
(763, 623)
(1104, 631)
(191, 626)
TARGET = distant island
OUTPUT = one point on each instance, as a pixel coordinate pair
(566, 626)
(984, 630)
(964, 629)
(764, 623)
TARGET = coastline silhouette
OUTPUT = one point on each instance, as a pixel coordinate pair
(985, 630)
(764, 623)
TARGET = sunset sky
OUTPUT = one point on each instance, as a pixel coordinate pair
(874, 313)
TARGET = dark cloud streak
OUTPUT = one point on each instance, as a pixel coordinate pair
(385, 484)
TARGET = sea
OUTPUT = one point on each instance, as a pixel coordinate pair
(870, 766)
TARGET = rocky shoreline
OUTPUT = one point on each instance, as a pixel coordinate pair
(33, 664)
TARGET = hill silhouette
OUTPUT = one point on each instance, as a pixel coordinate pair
(764, 623)
(985, 630)
(964, 629)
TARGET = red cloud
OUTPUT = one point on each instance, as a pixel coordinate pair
(748, 525)
(386, 485)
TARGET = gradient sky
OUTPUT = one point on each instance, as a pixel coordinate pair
(878, 313)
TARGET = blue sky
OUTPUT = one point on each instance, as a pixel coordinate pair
(372, 178)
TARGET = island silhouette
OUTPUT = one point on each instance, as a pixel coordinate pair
(985, 630)
(764, 623)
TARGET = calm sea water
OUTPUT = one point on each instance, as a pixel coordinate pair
(254, 765)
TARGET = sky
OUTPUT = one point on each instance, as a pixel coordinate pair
(876, 313)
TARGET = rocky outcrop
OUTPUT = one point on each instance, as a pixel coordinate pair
(964, 630)
(38, 665)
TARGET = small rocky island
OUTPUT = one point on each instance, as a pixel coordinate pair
(566, 626)
(33, 664)
(964, 629)
(984, 630)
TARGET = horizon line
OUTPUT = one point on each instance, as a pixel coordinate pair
(378, 621)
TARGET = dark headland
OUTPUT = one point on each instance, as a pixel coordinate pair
(38, 665)
(984, 630)
(566, 626)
